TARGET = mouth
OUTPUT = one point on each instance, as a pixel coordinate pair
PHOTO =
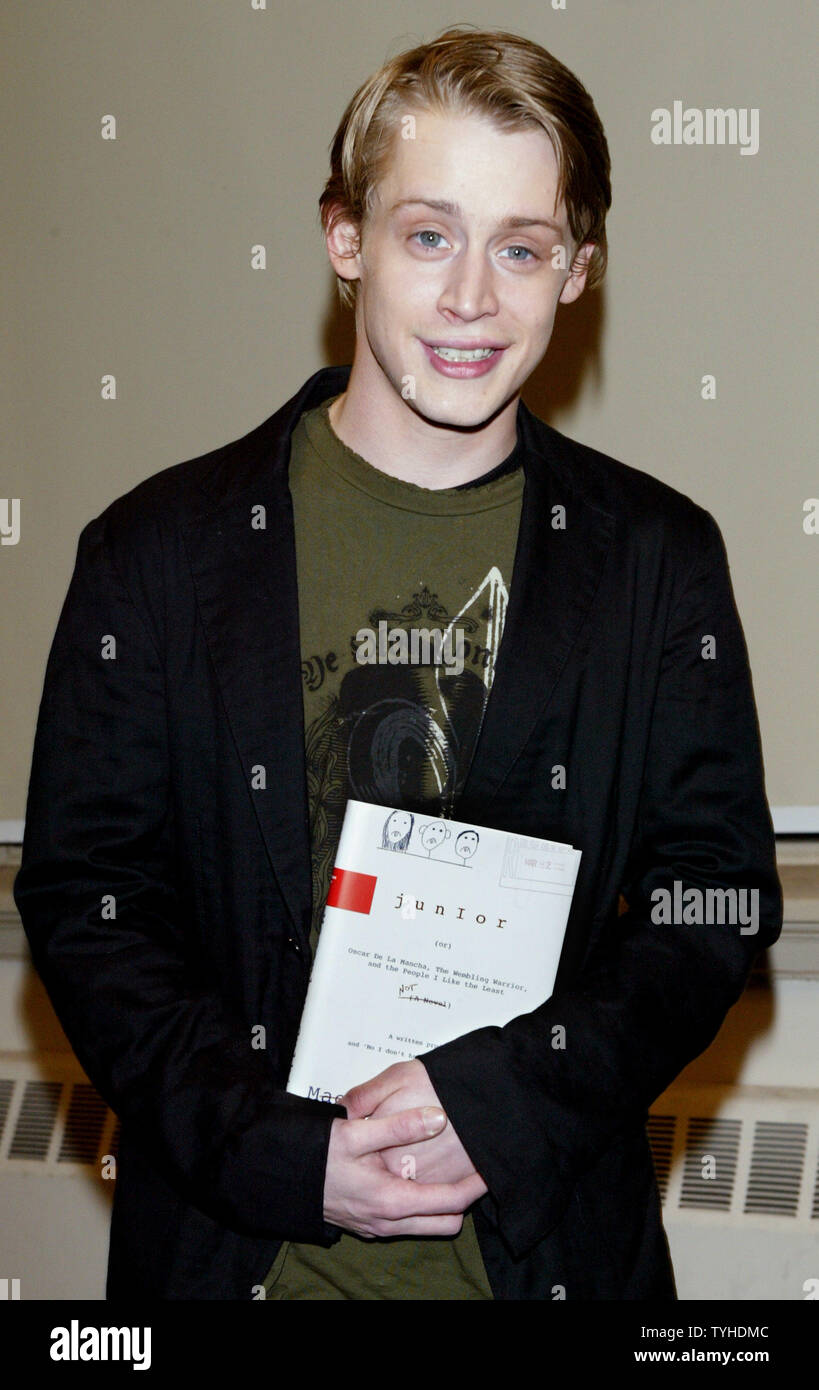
(453, 354)
(463, 359)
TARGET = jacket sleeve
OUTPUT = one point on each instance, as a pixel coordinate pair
(99, 896)
(652, 994)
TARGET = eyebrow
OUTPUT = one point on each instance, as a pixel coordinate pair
(455, 210)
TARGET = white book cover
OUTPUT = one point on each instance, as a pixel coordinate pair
(432, 928)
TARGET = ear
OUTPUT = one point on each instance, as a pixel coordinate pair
(576, 278)
(343, 238)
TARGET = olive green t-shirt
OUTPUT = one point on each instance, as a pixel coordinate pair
(391, 720)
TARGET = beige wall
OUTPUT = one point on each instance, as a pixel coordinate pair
(132, 257)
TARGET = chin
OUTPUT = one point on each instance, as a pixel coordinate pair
(464, 415)
(474, 412)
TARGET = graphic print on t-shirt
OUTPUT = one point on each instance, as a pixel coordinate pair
(399, 734)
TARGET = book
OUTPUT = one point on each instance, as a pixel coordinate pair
(431, 928)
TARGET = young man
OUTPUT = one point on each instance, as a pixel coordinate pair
(206, 717)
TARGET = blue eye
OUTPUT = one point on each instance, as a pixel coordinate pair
(427, 232)
(528, 255)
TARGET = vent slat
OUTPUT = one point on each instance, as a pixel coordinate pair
(777, 1159)
(35, 1122)
(83, 1126)
(6, 1092)
(660, 1129)
(713, 1139)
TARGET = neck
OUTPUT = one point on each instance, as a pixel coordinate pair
(371, 419)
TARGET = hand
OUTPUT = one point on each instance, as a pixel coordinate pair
(402, 1086)
(363, 1196)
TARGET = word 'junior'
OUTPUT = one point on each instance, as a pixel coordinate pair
(408, 907)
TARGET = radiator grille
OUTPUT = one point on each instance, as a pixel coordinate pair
(57, 1124)
(84, 1125)
(35, 1122)
(661, 1138)
(777, 1163)
(741, 1154)
(710, 1163)
(6, 1091)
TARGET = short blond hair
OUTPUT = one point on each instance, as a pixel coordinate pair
(468, 71)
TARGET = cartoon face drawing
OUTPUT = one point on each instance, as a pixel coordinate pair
(466, 843)
(397, 830)
(433, 834)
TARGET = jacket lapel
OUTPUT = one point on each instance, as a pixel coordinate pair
(245, 580)
(556, 574)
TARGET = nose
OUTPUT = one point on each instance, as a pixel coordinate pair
(469, 291)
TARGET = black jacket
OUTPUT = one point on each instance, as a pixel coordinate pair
(142, 788)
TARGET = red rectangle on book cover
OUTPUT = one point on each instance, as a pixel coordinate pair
(351, 890)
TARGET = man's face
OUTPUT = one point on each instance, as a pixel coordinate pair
(434, 835)
(460, 276)
(466, 844)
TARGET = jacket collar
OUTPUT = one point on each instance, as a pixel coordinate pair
(240, 542)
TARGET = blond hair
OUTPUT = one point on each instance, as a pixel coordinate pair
(466, 71)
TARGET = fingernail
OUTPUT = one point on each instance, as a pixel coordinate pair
(434, 1119)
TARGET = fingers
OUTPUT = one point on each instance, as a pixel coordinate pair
(472, 1188)
(417, 1226)
(404, 1127)
(401, 1199)
(363, 1196)
(362, 1099)
(423, 1209)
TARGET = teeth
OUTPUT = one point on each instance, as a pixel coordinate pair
(463, 354)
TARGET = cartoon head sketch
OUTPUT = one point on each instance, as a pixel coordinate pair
(466, 843)
(397, 830)
(433, 834)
